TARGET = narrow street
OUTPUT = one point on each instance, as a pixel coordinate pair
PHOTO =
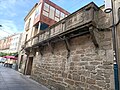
(13, 80)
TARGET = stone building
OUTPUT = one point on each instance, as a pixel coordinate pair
(43, 15)
(75, 53)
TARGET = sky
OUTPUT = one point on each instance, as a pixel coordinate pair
(13, 12)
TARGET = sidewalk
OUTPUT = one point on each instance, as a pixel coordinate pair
(13, 80)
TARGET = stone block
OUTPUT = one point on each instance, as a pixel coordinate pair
(58, 79)
(81, 84)
(105, 43)
(80, 88)
(107, 62)
(108, 71)
(82, 55)
(70, 76)
(97, 77)
(86, 59)
(106, 75)
(51, 82)
(92, 87)
(71, 82)
(82, 79)
(107, 80)
(82, 51)
(101, 52)
(59, 86)
(101, 83)
(83, 63)
(90, 81)
(85, 73)
(107, 86)
(90, 68)
(76, 77)
(100, 74)
(64, 53)
(95, 63)
(105, 67)
(70, 87)
(76, 58)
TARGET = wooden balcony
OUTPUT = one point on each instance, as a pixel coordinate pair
(83, 18)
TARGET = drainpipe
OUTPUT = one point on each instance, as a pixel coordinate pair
(109, 8)
(115, 50)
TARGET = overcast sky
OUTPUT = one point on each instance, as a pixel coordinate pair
(12, 12)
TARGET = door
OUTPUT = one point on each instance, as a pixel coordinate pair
(21, 62)
(29, 66)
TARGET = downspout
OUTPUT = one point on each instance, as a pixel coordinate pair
(115, 50)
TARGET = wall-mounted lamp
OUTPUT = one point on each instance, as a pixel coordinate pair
(0, 25)
(108, 6)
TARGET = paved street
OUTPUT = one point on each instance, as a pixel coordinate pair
(13, 80)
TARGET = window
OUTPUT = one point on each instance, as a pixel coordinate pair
(43, 26)
(45, 13)
(62, 15)
(26, 37)
(57, 13)
(29, 22)
(46, 7)
(56, 19)
(37, 12)
(52, 12)
(46, 10)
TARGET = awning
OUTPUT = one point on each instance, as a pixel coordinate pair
(11, 57)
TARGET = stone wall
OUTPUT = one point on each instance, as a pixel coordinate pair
(87, 68)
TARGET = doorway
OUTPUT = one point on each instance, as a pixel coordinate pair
(29, 66)
(21, 62)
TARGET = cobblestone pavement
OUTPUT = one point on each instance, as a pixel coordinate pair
(13, 80)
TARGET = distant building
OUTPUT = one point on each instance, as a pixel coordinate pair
(15, 43)
(5, 44)
(10, 44)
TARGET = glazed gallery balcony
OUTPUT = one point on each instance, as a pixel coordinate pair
(76, 23)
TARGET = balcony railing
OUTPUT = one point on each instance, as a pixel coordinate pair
(68, 24)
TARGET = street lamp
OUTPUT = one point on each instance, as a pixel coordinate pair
(109, 8)
(0, 25)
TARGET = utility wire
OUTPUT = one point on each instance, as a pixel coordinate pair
(75, 4)
(4, 30)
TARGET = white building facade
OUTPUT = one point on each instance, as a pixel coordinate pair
(15, 43)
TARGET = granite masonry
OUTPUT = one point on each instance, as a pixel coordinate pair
(82, 62)
(87, 67)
